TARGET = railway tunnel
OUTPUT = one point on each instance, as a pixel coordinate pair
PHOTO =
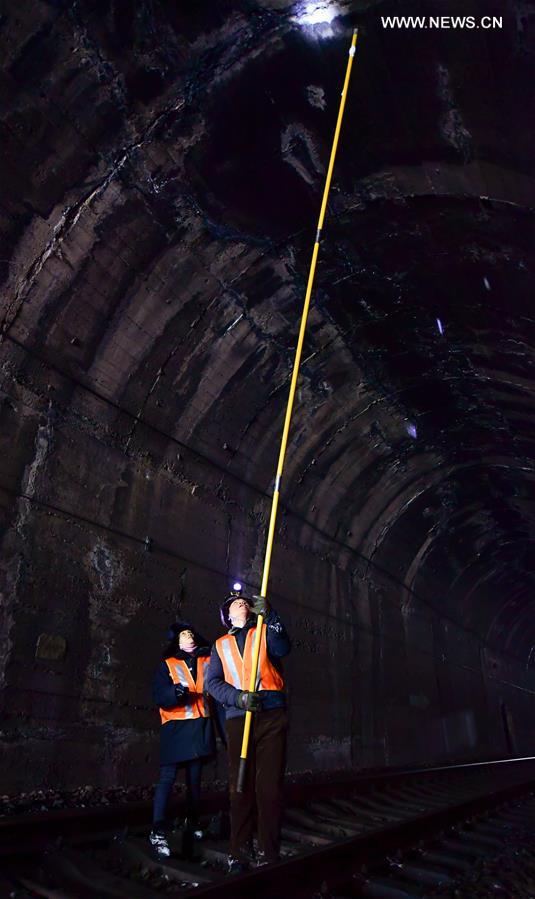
(163, 170)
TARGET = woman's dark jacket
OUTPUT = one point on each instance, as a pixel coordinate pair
(182, 740)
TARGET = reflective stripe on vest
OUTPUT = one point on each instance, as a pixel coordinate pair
(196, 706)
(237, 669)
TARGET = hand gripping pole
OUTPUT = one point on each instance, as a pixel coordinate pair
(289, 409)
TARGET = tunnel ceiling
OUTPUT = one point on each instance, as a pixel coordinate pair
(164, 163)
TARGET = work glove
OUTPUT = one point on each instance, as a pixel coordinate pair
(181, 691)
(248, 701)
(260, 606)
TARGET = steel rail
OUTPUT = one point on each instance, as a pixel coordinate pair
(84, 821)
(326, 869)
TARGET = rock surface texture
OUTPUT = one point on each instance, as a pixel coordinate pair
(163, 164)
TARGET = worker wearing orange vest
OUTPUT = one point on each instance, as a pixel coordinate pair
(187, 733)
(228, 680)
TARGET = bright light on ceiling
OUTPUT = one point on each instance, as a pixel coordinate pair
(316, 15)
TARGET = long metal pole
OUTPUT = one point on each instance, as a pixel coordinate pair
(289, 409)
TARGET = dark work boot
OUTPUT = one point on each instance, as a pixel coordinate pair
(236, 865)
(191, 824)
(262, 859)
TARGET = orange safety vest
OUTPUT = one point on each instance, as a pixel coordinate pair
(237, 668)
(195, 706)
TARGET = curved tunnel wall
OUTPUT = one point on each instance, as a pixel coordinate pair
(157, 228)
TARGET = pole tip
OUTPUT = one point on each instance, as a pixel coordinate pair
(355, 32)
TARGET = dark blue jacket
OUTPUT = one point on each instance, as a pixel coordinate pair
(278, 646)
(181, 740)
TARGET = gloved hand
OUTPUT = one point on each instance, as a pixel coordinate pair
(251, 702)
(260, 606)
(181, 691)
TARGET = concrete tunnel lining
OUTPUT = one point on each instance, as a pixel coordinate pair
(152, 287)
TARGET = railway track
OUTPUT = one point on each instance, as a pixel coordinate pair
(396, 835)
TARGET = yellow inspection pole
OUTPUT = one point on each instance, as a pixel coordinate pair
(289, 408)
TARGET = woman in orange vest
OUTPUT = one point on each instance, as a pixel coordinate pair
(228, 680)
(187, 733)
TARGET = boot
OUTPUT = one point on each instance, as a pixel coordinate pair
(158, 841)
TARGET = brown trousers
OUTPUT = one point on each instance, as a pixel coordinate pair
(266, 760)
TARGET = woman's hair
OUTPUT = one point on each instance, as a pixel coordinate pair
(170, 650)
